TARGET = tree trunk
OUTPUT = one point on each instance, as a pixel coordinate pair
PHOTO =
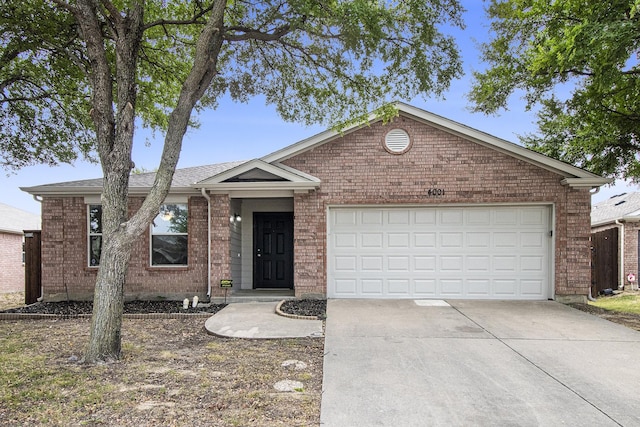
(108, 302)
(115, 138)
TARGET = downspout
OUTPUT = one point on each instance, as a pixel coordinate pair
(206, 196)
(621, 238)
(38, 198)
(594, 190)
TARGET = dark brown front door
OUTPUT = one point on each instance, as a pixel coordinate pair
(273, 250)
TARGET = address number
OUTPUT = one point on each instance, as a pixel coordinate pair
(435, 192)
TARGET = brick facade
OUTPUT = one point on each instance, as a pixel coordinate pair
(65, 271)
(354, 169)
(11, 266)
(357, 170)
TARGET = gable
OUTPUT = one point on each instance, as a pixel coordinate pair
(259, 175)
(571, 175)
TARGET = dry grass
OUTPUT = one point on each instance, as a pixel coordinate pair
(172, 374)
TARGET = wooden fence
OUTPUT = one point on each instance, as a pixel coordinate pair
(604, 260)
(32, 266)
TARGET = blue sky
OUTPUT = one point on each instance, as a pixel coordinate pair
(246, 131)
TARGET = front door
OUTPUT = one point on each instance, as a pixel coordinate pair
(273, 250)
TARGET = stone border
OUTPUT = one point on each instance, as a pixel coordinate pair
(39, 316)
(292, 316)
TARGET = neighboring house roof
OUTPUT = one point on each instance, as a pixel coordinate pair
(269, 172)
(621, 207)
(15, 221)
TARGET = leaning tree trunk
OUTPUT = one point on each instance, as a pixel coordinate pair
(115, 138)
(108, 302)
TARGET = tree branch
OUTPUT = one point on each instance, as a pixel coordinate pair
(251, 34)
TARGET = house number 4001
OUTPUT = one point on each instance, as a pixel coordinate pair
(435, 192)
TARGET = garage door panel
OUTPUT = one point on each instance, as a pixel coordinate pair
(372, 286)
(451, 240)
(398, 217)
(424, 240)
(424, 264)
(479, 287)
(372, 263)
(346, 264)
(372, 240)
(451, 287)
(398, 240)
(425, 288)
(398, 263)
(473, 252)
(345, 240)
(399, 287)
(345, 287)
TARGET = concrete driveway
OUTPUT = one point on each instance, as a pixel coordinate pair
(480, 363)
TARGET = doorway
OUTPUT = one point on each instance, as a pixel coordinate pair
(273, 250)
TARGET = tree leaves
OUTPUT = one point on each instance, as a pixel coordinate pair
(578, 61)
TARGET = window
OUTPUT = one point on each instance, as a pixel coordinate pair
(169, 236)
(95, 234)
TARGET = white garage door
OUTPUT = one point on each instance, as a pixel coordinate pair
(468, 252)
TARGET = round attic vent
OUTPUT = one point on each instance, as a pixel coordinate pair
(397, 141)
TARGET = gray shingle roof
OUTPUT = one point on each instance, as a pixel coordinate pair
(182, 178)
(14, 220)
(616, 207)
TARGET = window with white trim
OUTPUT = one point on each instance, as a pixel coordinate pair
(94, 227)
(169, 237)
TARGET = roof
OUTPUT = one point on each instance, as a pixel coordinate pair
(183, 179)
(269, 172)
(621, 207)
(15, 221)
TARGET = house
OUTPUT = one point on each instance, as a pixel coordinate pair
(13, 222)
(620, 214)
(420, 207)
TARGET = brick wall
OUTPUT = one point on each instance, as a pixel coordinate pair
(11, 266)
(65, 271)
(356, 169)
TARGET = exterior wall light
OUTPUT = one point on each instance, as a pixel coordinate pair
(235, 218)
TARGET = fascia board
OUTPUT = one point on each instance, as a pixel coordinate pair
(289, 174)
(294, 171)
(586, 181)
(45, 190)
(88, 191)
(277, 185)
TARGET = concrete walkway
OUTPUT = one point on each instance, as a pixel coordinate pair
(477, 363)
(259, 320)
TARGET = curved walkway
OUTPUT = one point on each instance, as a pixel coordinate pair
(258, 320)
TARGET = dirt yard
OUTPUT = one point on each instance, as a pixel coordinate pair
(172, 374)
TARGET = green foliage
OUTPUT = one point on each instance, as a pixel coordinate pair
(314, 61)
(44, 96)
(588, 52)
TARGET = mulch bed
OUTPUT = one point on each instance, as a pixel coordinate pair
(72, 308)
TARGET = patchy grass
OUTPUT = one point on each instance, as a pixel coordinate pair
(172, 373)
(11, 300)
(624, 303)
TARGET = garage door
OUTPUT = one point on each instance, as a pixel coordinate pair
(470, 252)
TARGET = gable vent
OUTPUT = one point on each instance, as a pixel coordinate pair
(397, 141)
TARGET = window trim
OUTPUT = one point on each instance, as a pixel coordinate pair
(90, 234)
(169, 201)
